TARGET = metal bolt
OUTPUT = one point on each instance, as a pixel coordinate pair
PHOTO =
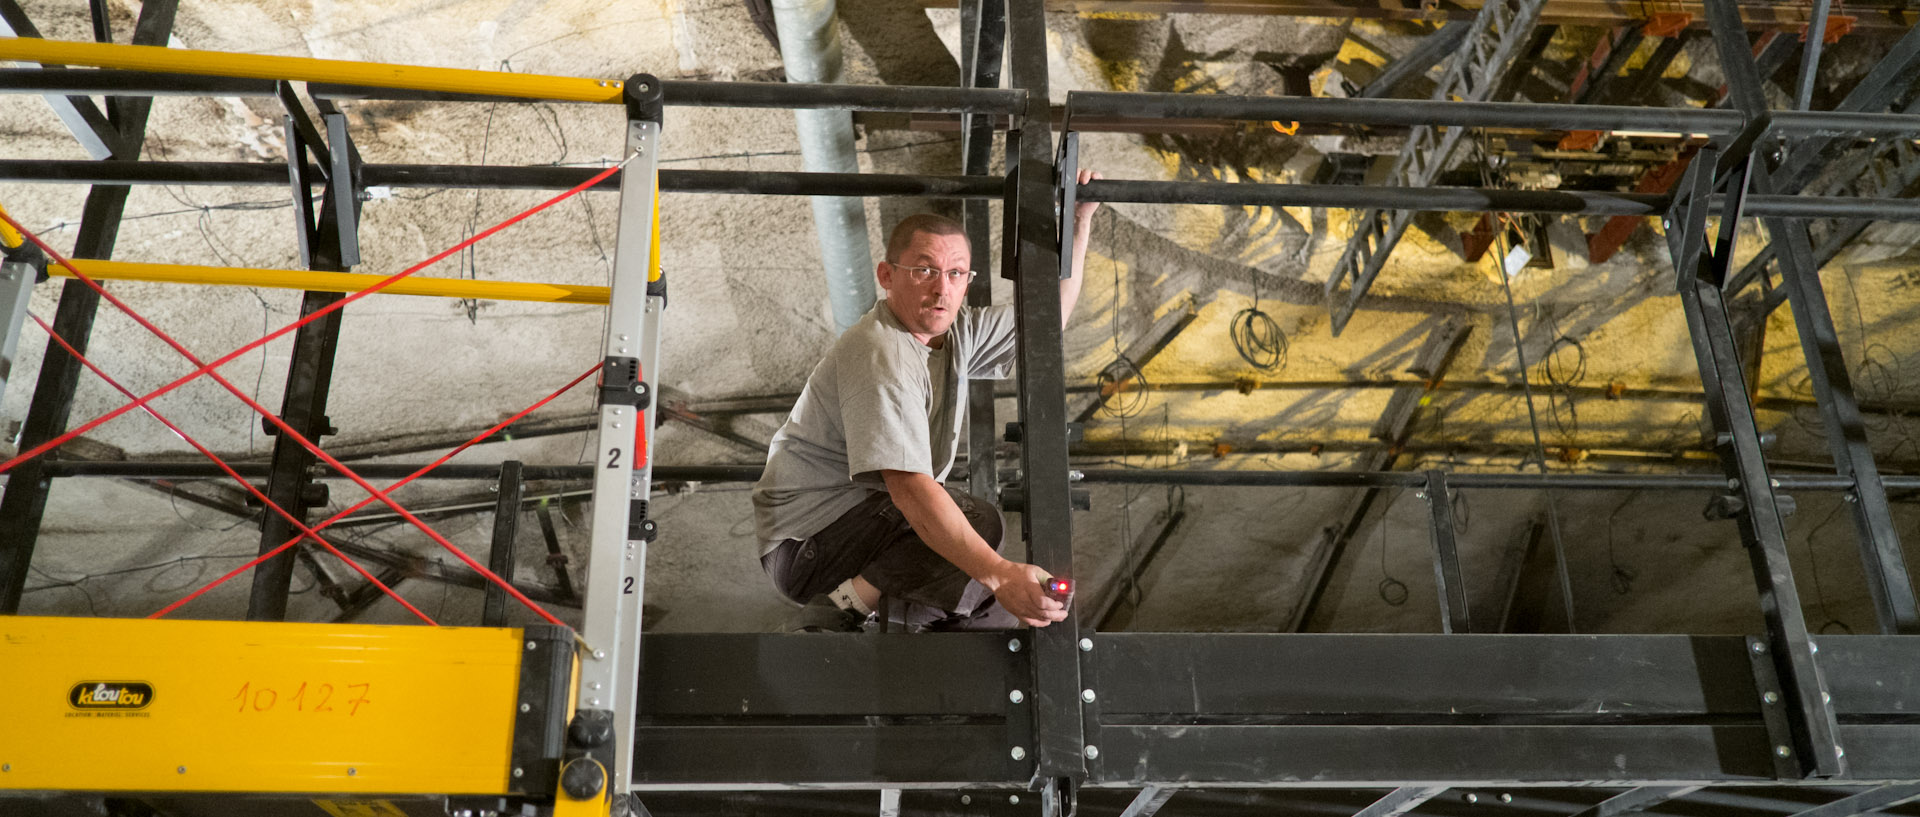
(351, 771)
(1086, 645)
(519, 772)
(1019, 753)
(1013, 799)
(1773, 483)
(600, 653)
(1470, 797)
(1086, 695)
(181, 770)
(1016, 696)
(531, 645)
(1771, 697)
(595, 685)
(1852, 497)
(1783, 751)
(1825, 698)
(6, 767)
(644, 88)
(1839, 752)
(1013, 645)
(526, 707)
(966, 799)
(1733, 484)
(1813, 647)
(593, 702)
(1092, 752)
(1419, 494)
(1506, 798)
(639, 149)
(623, 337)
(616, 425)
(1759, 648)
(1666, 223)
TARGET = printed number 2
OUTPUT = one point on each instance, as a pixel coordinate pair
(613, 458)
(626, 586)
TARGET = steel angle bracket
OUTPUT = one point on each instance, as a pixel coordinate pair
(598, 769)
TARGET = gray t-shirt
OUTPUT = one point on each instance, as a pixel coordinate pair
(874, 405)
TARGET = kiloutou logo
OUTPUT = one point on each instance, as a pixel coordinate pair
(110, 695)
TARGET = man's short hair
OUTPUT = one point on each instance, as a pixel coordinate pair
(919, 223)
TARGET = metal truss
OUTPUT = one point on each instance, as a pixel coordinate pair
(1474, 74)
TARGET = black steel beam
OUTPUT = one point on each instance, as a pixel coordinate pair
(1634, 801)
(1037, 235)
(1883, 85)
(1879, 798)
(1425, 54)
(25, 501)
(1149, 801)
(739, 182)
(983, 27)
(1449, 582)
(1472, 199)
(1520, 115)
(1400, 801)
(506, 528)
(1751, 497)
(325, 240)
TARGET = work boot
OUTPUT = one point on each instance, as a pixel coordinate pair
(821, 615)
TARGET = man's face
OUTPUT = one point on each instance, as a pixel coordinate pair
(927, 308)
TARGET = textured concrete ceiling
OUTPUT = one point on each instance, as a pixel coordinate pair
(749, 317)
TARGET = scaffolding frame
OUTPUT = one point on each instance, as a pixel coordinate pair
(1066, 709)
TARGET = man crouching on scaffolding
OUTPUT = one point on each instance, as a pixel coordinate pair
(852, 503)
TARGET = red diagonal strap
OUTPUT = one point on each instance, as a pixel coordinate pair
(305, 531)
(476, 440)
(315, 315)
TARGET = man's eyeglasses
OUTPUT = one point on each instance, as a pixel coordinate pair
(921, 275)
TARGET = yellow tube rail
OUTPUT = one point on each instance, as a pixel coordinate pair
(334, 282)
(11, 238)
(307, 69)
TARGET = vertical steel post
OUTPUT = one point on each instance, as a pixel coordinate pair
(324, 245)
(1037, 233)
(25, 501)
(1888, 582)
(1813, 751)
(1449, 583)
(506, 528)
(17, 277)
(609, 676)
(982, 30)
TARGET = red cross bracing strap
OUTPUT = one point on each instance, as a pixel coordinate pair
(209, 369)
(313, 316)
(476, 440)
(305, 532)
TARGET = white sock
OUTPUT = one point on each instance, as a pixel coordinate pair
(845, 596)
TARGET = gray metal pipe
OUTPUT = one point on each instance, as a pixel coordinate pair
(810, 50)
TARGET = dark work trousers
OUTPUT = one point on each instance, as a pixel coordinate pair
(874, 541)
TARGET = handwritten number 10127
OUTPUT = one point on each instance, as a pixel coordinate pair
(308, 697)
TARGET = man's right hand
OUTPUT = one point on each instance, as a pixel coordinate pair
(1019, 588)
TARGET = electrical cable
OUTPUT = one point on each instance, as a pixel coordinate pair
(1392, 591)
(1623, 576)
(1831, 624)
(1257, 337)
(1526, 383)
(1122, 408)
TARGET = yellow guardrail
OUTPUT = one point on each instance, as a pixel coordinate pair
(307, 69)
(334, 282)
(10, 237)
